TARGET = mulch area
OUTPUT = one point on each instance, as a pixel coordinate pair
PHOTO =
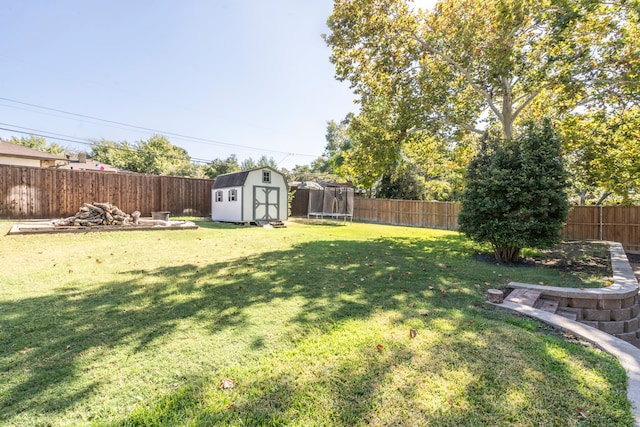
(570, 256)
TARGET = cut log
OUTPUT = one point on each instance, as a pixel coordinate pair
(92, 214)
(495, 296)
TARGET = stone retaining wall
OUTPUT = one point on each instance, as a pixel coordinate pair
(613, 309)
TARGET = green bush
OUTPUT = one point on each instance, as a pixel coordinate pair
(515, 193)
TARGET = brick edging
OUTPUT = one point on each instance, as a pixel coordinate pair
(614, 309)
(626, 353)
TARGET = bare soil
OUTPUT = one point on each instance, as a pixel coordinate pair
(578, 257)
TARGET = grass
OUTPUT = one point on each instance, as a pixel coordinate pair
(312, 323)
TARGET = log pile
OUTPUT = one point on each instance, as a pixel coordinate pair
(93, 214)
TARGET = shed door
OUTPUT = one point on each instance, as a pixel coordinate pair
(266, 203)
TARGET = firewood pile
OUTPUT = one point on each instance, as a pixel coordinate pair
(92, 214)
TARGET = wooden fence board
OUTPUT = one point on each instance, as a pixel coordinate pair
(614, 223)
(30, 193)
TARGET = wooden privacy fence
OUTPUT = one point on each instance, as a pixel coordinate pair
(28, 193)
(614, 223)
(413, 213)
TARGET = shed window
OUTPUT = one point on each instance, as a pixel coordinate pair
(233, 195)
(266, 176)
(219, 196)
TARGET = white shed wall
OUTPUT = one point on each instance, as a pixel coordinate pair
(255, 180)
(226, 210)
(254, 190)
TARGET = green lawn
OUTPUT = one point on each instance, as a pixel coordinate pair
(312, 323)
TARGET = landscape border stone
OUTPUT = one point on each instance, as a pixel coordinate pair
(618, 337)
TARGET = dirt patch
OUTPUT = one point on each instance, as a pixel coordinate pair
(577, 257)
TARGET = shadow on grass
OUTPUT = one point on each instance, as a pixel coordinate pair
(43, 339)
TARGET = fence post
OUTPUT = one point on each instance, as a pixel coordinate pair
(601, 224)
(446, 204)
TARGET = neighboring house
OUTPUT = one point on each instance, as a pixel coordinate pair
(18, 155)
(249, 196)
(83, 163)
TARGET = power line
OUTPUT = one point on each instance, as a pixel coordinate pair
(157, 131)
(60, 137)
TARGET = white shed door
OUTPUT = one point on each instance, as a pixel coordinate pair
(266, 205)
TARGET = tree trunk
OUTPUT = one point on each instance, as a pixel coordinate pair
(506, 254)
(507, 110)
(603, 197)
(583, 197)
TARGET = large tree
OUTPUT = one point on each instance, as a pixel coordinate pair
(467, 65)
(603, 154)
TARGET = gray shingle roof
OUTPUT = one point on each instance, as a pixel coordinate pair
(235, 179)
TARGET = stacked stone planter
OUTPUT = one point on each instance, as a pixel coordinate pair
(614, 309)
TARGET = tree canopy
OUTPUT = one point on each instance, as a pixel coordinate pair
(467, 67)
(40, 144)
(469, 63)
(153, 156)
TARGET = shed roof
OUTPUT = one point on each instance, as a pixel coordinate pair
(237, 179)
(234, 179)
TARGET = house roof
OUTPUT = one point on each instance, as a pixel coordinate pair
(236, 179)
(89, 164)
(14, 150)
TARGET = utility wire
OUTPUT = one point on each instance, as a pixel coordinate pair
(188, 137)
(65, 138)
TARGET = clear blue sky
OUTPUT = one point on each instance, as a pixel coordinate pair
(243, 73)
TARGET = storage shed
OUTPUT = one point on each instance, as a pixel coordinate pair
(250, 196)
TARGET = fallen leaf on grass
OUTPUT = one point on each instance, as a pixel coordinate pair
(444, 292)
(26, 350)
(231, 405)
(379, 347)
(582, 412)
(227, 383)
(413, 333)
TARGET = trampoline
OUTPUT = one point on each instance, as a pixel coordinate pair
(332, 202)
